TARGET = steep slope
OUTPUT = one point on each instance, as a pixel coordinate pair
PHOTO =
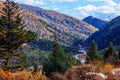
(47, 23)
(109, 32)
(98, 23)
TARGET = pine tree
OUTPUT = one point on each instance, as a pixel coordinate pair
(93, 53)
(12, 37)
(70, 61)
(111, 52)
(56, 60)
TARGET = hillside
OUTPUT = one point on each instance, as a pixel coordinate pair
(47, 23)
(98, 23)
(109, 32)
(66, 27)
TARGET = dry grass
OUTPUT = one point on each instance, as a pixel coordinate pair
(94, 71)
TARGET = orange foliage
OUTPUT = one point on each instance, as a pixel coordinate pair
(6, 75)
(107, 68)
(21, 75)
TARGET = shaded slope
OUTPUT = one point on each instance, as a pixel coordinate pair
(98, 23)
(109, 32)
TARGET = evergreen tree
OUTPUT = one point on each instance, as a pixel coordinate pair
(110, 52)
(58, 61)
(70, 60)
(12, 37)
(93, 53)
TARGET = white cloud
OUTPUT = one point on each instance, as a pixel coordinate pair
(62, 0)
(56, 9)
(94, 0)
(103, 10)
(87, 8)
(106, 9)
(110, 2)
(107, 2)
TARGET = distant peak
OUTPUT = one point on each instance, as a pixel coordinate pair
(94, 21)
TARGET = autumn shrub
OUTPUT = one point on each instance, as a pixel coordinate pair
(106, 68)
(79, 72)
(102, 66)
(28, 75)
(21, 75)
(88, 72)
(6, 75)
(114, 74)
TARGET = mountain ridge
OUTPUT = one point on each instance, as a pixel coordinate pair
(94, 21)
(65, 24)
(109, 33)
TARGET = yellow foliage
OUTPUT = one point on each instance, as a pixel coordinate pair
(21, 75)
(27, 75)
(108, 67)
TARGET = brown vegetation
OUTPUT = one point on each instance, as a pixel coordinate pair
(21, 75)
(94, 71)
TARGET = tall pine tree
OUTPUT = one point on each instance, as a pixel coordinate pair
(12, 37)
(92, 53)
(56, 62)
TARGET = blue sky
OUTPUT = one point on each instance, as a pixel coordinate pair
(105, 9)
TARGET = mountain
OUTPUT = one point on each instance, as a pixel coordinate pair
(66, 27)
(98, 23)
(47, 23)
(108, 33)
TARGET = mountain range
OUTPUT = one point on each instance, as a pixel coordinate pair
(47, 23)
(110, 32)
(96, 22)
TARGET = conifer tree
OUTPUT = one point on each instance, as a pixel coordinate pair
(93, 53)
(70, 61)
(110, 52)
(56, 60)
(12, 37)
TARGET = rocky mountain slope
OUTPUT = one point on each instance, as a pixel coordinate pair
(109, 32)
(47, 23)
(98, 23)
